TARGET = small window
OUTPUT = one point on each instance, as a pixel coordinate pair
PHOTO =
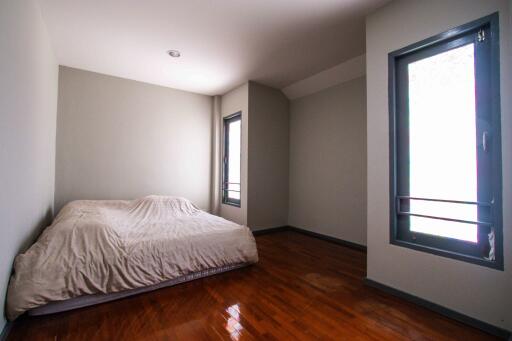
(231, 164)
(445, 145)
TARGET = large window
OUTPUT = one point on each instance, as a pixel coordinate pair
(231, 165)
(445, 144)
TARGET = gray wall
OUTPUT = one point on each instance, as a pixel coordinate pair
(268, 151)
(122, 139)
(474, 290)
(28, 97)
(328, 162)
(216, 170)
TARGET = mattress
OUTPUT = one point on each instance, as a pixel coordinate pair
(95, 250)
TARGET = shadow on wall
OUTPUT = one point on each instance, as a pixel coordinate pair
(44, 222)
(38, 229)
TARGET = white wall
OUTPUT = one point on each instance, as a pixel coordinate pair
(473, 290)
(328, 162)
(28, 97)
(122, 139)
(268, 151)
(234, 101)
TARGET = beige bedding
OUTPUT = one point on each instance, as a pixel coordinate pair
(109, 246)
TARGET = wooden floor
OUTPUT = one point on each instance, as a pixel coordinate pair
(303, 288)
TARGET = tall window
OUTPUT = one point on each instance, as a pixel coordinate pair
(445, 144)
(231, 169)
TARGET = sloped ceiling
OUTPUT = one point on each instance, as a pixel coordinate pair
(223, 42)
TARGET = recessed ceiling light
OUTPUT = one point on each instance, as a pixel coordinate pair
(174, 53)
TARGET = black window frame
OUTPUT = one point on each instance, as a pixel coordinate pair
(225, 168)
(487, 83)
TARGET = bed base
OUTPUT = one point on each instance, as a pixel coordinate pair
(88, 300)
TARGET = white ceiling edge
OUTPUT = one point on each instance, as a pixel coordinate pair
(341, 73)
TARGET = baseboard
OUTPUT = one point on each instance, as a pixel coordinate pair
(5, 331)
(330, 239)
(270, 230)
(470, 321)
(334, 240)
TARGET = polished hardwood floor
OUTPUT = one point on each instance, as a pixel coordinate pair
(303, 288)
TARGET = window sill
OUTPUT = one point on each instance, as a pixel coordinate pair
(231, 204)
(448, 254)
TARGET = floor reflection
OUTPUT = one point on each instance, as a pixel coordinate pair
(233, 326)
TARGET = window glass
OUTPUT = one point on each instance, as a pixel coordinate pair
(442, 142)
(234, 159)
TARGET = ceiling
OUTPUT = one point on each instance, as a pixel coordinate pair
(223, 43)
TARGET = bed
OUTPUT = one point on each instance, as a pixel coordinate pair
(98, 251)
